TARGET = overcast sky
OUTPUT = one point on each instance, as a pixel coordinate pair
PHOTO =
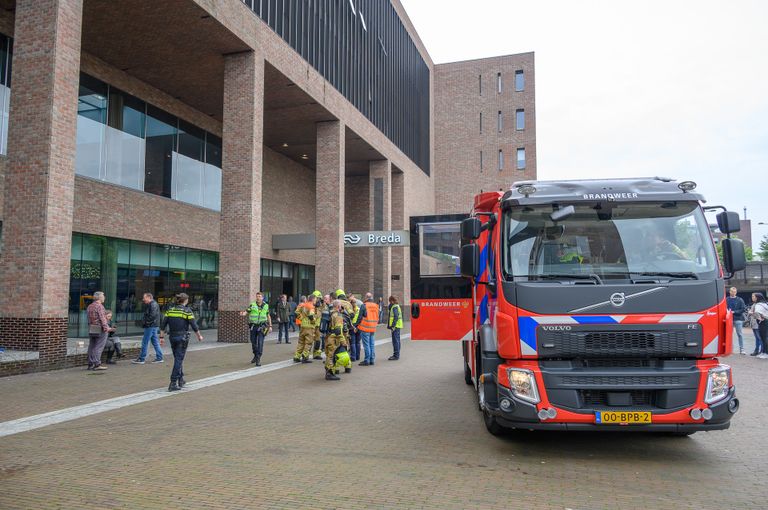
(674, 88)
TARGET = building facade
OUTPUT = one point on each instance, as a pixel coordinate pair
(165, 146)
(485, 127)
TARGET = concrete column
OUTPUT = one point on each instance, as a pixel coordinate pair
(40, 178)
(329, 212)
(380, 189)
(243, 130)
(400, 256)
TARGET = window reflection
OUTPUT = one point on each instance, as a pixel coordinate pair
(6, 54)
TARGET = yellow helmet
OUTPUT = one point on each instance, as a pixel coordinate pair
(317, 294)
(339, 292)
(343, 359)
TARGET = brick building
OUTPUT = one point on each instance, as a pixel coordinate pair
(161, 146)
(485, 127)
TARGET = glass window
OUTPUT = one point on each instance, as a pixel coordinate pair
(500, 122)
(519, 81)
(498, 83)
(160, 256)
(209, 261)
(439, 248)
(520, 119)
(125, 140)
(91, 128)
(481, 122)
(521, 158)
(480, 83)
(481, 160)
(139, 254)
(160, 147)
(188, 165)
(621, 241)
(6, 54)
(212, 175)
(193, 260)
(177, 258)
(501, 159)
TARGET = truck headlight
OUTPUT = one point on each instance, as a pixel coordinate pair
(718, 384)
(523, 384)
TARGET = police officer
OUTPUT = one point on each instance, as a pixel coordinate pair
(336, 344)
(178, 320)
(260, 323)
(395, 324)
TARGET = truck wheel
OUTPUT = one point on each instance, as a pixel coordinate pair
(467, 375)
(493, 425)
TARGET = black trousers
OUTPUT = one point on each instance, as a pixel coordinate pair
(179, 347)
(257, 339)
(763, 329)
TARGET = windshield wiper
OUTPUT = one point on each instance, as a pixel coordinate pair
(693, 276)
(555, 276)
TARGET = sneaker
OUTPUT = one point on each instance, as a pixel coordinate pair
(174, 386)
(754, 353)
(156, 360)
(742, 352)
(102, 367)
(393, 358)
(365, 364)
(138, 361)
(760, 356)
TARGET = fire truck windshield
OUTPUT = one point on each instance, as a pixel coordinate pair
(608, 241)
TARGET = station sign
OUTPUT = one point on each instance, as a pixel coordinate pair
(376, 238)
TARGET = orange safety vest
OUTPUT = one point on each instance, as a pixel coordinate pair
(371, 319)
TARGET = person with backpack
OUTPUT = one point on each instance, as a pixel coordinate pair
(260, 324)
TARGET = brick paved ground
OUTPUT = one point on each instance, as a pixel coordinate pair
(397, 435)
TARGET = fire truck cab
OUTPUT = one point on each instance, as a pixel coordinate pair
(583, 305)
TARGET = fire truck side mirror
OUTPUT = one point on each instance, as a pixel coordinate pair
(734, 256)
(728, 222)
(470, 260)
(470, 229)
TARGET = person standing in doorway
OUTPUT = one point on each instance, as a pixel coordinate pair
(754, 326)
(178, 319)
(367, 321)
(737, 306)
(98, 330)
(292, 305)
(283, 310)
(260, 323)
(395, 324)
(151, 325)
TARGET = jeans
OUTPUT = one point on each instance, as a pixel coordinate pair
(292, 322)
(738, 325)
(354, 345)
(758, 341)
(257, 340)
(282, 327)
(179, 348)
(96, 345)
(150, 334)
(396, 342)
(368, 345)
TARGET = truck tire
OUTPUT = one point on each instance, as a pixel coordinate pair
(467, 374)
(493, 425)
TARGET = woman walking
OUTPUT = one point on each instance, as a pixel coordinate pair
(751, 322)
(761, 314)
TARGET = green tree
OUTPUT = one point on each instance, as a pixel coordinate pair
(763, 251)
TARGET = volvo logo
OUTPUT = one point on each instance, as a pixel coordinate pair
(556, 328)
(617, 299)
(351, 238)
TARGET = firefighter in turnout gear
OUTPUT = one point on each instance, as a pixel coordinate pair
(259, 323)
(317, 298)
(307, 318)
(336, 344)
(178, 319)
(347, 312)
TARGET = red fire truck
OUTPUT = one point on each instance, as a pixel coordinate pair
(584, 305)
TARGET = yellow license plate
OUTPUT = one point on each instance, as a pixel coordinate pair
(622, 417)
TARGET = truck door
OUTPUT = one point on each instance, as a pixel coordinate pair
(441, 299)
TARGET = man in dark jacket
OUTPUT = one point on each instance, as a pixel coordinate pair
(151, 325)
(178, 319)
(283, 315)
(738, 307)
